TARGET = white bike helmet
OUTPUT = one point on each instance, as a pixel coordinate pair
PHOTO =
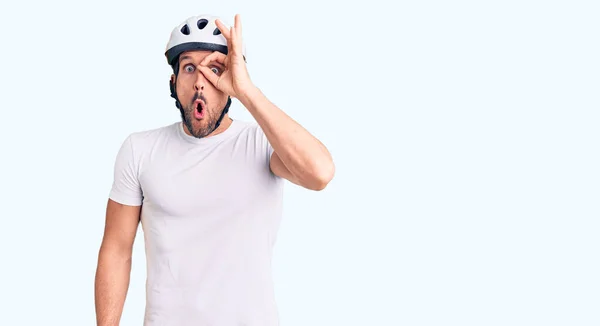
(197, 33)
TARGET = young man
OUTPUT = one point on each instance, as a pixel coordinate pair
(207, 190)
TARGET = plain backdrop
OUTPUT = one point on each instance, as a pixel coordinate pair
(465, 136)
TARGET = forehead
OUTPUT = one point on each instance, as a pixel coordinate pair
(194, 55)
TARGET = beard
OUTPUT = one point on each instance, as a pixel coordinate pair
(198, 128)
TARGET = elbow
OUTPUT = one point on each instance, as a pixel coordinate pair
(322, 176)
(115, 252)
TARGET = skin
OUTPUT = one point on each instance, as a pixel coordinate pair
(114, 262)
(190, 84)
(298, 157)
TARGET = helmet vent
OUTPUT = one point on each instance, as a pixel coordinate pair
(185, 29)
(202, 23)
(216, 31)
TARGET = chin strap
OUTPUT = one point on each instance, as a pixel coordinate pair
(225, 110)
(174, 95)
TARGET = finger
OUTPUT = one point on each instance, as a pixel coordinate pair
(238, 34)
(236, 41)
(238, 26)
(210, 75)
(224, 30)
(232, 39)
(214, 57)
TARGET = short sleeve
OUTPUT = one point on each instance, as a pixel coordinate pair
(270, 149)
(263, 143)
(126, 186)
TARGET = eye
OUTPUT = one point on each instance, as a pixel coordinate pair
(188, 68)
(216, 70)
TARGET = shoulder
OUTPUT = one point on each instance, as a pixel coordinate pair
(256, 139)
(150, 135)
(244, 126)
(250, 129)
(144, 139)
(136, 144)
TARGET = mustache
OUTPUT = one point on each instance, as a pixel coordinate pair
(199, 96)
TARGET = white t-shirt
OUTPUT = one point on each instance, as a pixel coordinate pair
(211, 209)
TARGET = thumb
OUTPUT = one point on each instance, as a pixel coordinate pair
(210, 75)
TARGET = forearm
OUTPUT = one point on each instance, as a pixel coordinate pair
(302, 153)
(111, 284)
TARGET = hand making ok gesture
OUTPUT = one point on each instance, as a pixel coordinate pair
(232, 78)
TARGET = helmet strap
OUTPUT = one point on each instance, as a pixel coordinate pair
(174, 95)
(225, 110)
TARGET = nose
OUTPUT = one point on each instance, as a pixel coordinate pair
(200, 81)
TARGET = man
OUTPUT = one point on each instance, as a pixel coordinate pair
(207, 191)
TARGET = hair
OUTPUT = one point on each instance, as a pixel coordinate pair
(175, 66)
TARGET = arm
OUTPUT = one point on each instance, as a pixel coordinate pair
(114, 262)
(298, 156)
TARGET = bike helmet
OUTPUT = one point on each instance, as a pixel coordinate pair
(197, 33)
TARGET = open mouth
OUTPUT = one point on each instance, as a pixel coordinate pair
(199, 111)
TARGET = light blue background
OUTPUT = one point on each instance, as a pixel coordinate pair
(465, 136)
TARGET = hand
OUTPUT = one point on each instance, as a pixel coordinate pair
(234, 80)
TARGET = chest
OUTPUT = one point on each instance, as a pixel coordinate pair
(192, 184)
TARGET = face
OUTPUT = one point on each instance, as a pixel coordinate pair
(201, 102)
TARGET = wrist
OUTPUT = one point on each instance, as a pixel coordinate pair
(248, 95)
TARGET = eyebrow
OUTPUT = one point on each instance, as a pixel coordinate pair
(185, 57)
